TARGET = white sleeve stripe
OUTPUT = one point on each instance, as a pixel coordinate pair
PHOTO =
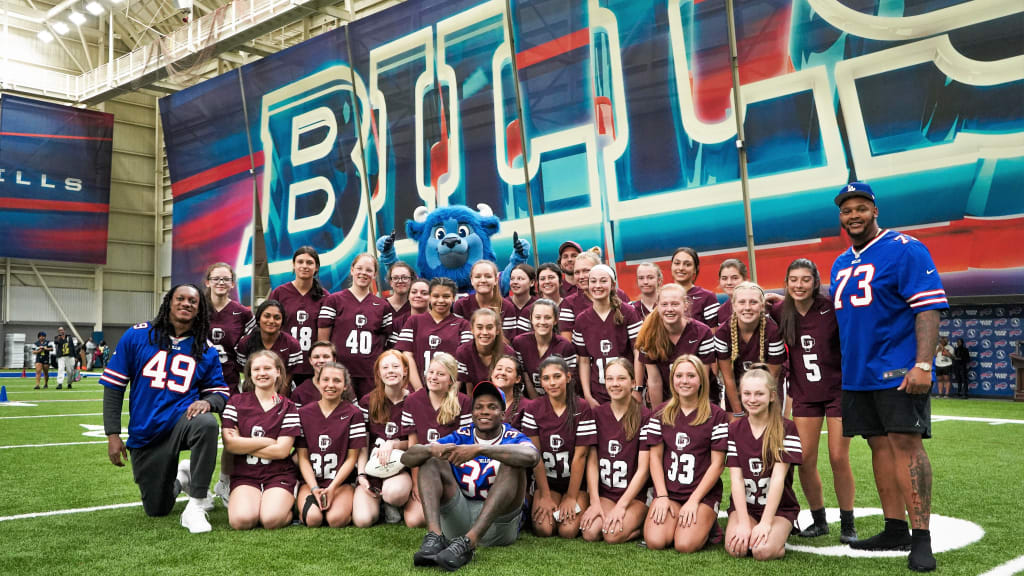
(115, 373)
(114, 382)
(926, 294)
(929, 302)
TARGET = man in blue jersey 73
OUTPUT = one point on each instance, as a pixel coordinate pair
(176, 382)
(887, 296)
(472, 483)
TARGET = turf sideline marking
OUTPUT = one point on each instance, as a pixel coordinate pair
(52, 416)
(76, 510)
(1008, 569)
(52, 444)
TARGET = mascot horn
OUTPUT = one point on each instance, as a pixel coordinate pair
(451, 239)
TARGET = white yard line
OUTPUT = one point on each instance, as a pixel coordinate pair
(1014, 566)
(51, 444)
(52, 416)
(75, 510)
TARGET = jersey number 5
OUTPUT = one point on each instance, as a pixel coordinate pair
(181, 366)
(864, 284)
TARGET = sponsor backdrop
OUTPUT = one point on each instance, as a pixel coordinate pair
(54, 181)
(629, 132)
(991, 334)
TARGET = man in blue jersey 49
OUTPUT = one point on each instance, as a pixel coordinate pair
(472, 483)
(176, 384)
(887, 296)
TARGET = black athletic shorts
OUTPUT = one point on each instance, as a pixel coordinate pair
(943, 370)
(879, 412)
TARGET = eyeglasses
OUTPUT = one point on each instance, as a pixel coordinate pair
(221, 280)
(401, 278)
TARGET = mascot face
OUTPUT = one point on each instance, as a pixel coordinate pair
(452, 243)
(451, 239)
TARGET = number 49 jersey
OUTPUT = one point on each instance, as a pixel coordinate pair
(476, 476)
(877, 293)
(164, 382)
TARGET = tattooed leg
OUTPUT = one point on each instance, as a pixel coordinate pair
(915, 476)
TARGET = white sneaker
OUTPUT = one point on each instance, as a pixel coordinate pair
(207, 503)
(194, 518)
(223, 491)
(184, 476)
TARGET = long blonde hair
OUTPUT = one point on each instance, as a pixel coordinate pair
(496, 299)
(631, 419)
(450, 407)
(734, 326)
(653, 338)
(674, 406)
(774, 434)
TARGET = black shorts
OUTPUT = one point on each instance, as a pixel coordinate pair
(943, 370)
(879, 412)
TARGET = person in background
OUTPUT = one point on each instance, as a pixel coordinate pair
(567, 253)
(521, 296)
(65, 352)
(944, 354)
(90, 352)
(685, 267)
(301, 299)
(549, 282)
(648, 281)
(43, 351)
(961, 361)
(730, 273)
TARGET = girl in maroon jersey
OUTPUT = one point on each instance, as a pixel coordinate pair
(808, 324)
(430, 413)
(688, 436)
(259, 428)
(486, 292)
(749, 337)
(685, 267)
(358, 322)
(605, 331)
(301, 298)
(477, 358)
(544, 341)
(308, 392)
(549, 282)
(618, 465)
(419, 301)
(436, 331)
(382, 409)
(521, 296)
(763, 447)
(561, 426)
(333, 434)
(508, 377)
(731, 273)
(400, 278)
(268, 335)
(648, 281)
(667, 334)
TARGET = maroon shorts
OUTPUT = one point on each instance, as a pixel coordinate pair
(755, 513)
(285, 481)
(713, 498)
(829, 408)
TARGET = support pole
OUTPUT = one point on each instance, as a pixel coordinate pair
(53, 300)
(739, 113)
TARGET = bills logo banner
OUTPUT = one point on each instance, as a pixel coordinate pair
(989, 372)
(54, 181)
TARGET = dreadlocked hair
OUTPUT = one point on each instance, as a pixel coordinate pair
(450, 408)
(560, 364)
(774, 434)
(674, 406)
(380, 408)
(317, 291)
(788, 320)
(654, 338)
(498, 345)
(496, 299)
(256, 336)
(161, 330)
(631, 419)
(734, 325)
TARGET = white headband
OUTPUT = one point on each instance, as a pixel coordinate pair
(603, 268)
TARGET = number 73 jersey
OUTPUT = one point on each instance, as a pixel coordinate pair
(877, 293)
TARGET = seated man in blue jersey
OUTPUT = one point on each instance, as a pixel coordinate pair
(176, 382)
(472, 483)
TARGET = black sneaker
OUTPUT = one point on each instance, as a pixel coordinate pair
(433, 543)
(814, 530)
(848, 535)
(60, 387)
(921, 558)
(884, 541)
(458, 553)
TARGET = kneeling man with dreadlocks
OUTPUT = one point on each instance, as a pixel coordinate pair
(176, 382)
(472, 483)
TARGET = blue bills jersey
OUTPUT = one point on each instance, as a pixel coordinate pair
(164, 382)
(476, 476)
(877, 293)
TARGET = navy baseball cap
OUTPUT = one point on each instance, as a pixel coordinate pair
(487, 388)
(40, 334)
(854, 189)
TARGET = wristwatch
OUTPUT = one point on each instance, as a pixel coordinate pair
(926, 366)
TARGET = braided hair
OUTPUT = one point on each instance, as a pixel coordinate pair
(161, 330)
(734, 329)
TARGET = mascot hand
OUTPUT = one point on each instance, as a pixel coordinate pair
(386, 248)
(520, 250)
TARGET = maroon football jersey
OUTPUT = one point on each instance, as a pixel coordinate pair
(359, 330)
(749, 353)
(641, 309)
(725, 312)
(568, 287)
(514, 413)
(305, 393)
(301, 313)
(226, 327)
(520, 323)
(558, 440)
(472, 369)
(286, 347)
(530, 357)
(329, 438)
(603, 341)
(464, 308)
(420, 418)
(380, 432)
(815, 363)
(703, 305)
(697, 339)
(398, 318)
(244, 413)
(577, 303)
(744, 452)
(617, 457)
(687, 450)
(424, 337)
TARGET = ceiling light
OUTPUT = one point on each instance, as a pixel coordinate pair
(45, 36)
(76, 18)
(116, 1)
(94, 8)
(183, 4)
(61, 28)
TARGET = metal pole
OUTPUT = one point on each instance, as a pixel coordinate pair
(53, 300)
(737, 109)
(522, 130)
(257, 216)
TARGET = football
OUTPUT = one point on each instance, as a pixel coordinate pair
(393, 466)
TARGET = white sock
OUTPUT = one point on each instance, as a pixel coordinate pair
(195, 501)
(225, 478)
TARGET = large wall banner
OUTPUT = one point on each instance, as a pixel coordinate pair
(627, 135)
(54, 181)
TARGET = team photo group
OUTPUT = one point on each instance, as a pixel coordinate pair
(546, 400)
